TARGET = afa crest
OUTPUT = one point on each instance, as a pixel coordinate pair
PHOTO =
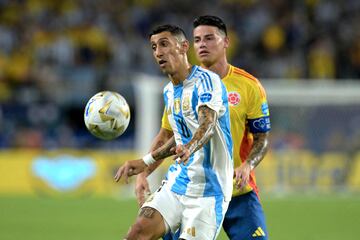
(177, 105)
(186, 103)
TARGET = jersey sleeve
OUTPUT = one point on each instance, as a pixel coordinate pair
(210, 92)
(258, 115)
(165, 121)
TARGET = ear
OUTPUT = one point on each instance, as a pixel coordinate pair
(184, 46)
(226, 42)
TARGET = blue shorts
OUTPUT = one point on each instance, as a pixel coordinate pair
(244, 219)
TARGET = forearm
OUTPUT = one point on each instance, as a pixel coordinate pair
(207, 120)
(166, 150)
(259, 149)
(159, 141)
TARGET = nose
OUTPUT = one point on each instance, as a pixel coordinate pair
(158, 53)
(201, 43)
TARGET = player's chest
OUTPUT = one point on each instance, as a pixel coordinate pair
(237, 100)
(182, 103)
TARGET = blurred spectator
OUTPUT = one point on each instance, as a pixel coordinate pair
(62, 52)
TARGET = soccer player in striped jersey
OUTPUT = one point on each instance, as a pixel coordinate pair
(250, 126)
(198, 185)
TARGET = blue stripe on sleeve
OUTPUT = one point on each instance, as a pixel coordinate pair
(209, 80)
(204, 78)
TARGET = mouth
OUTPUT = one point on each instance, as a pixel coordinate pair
(162, 63)
(203, 53)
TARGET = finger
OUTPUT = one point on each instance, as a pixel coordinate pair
(237, 180)
(118, 174)
(131, 172)
(126, 174)
(141, 199)
(178, 149)
(146, 187)
(244, 182)
(173, 149)
(186, 156)
(178, 156)
(185, 159)
(116, 177)
(139, 192)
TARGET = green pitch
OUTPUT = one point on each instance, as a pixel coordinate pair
(305, 218)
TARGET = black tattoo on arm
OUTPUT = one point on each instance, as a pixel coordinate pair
(166, 150)
(160, 140)
(259, 149)
(157, 144)
(147, 212)
(207, 120)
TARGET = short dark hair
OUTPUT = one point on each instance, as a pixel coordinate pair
(174, 30)
(210, 21)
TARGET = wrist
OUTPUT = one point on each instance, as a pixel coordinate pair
(251, 164)
(148, 159)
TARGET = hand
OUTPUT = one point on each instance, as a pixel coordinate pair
(142, 189)
(130, 168)
(242, 175)
(182, 154)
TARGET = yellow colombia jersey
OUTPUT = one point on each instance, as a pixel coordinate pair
(249, 113)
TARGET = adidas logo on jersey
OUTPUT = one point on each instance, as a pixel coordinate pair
(259, 233)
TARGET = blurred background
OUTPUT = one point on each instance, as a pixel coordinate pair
(55, 55)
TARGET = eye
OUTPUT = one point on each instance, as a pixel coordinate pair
(209, 37)
(164, 43)
(196, 40)
(153, 47)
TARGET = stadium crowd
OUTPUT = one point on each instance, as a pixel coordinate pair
(55, 54)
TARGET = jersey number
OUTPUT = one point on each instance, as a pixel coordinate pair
(184, 129)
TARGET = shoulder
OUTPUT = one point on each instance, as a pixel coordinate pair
(202, 72)
(168, 87)
(244, 76)
(245, 79)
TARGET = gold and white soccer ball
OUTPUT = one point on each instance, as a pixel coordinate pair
(107, 115)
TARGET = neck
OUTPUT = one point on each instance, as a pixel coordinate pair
(182, 72)
(220, 67)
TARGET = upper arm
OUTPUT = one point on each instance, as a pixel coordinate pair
(166, 133)
(258, 114)
(161, 138)
(206, 115)
(211, 93)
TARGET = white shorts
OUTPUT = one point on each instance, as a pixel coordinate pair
(197, 217)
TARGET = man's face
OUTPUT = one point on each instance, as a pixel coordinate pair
(209, 44)
(166, 51)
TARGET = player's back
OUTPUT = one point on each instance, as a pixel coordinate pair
(209, 170)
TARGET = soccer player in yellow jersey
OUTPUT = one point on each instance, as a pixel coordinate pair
(250, 125)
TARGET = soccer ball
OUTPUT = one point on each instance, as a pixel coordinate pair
(107, 115)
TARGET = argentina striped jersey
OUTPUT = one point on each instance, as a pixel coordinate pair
(209, 171)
